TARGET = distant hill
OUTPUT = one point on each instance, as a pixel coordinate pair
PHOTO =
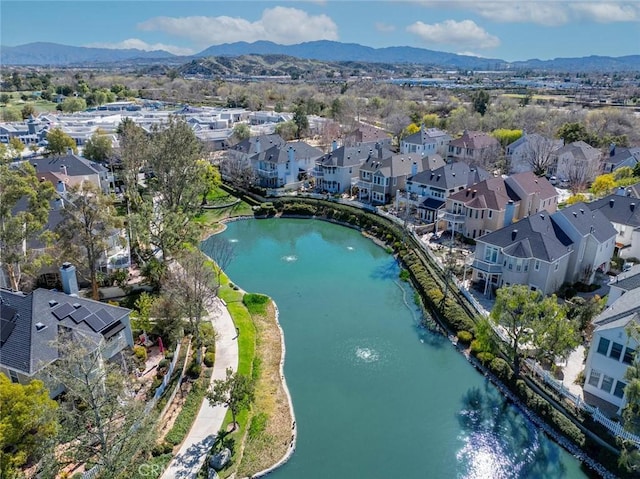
(323, 50)
(42, 53)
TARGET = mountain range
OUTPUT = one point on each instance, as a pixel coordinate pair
(64, 55)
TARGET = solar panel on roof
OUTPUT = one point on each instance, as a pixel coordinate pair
(113, 329)
(94, 322)
(104, 315)
(6, 328)
(79, 314)
(63, 311)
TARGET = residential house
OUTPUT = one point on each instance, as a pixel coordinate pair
(367, 136)
(338, 170)
(530, 149)
(623, 214)
(427, 141)
(72, 170)
(611, 352)
(384, 174)
(623, 283)
(535, 193)
(32, 323)
(534, 251)
(248, 147)
(285, 166)
(482, 208)
(474, 147)
(577, 162)
(429, 189)
(593, 239)
(619, 157)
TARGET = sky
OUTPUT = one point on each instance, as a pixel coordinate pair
(504, 29)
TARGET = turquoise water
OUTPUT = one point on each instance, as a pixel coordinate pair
(375, 395)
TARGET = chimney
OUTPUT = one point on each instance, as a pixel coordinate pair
(509, 213)
(632, 206)
(69, 151)
(612, 202)
(414, 168)
(514, 233)
(291, 154)
(68, 278)
(612, 149)
(258, 147)
(334, 145)
(59, 204)
(61, 187)
(64, 169)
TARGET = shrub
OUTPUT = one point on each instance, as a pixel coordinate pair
(258, 425)
(194, 370)
(168, 355)
(164, 363)
(485, 357)
(256, 303)
(501, 369)
(140, 352)
(209, 359)
(464, 337)
(160, 449)
(404, 275)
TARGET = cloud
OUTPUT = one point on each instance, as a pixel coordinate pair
(545, 12)
(282, 25)
(142, 45)
(607, 12)
(450, 32)
(384, 27)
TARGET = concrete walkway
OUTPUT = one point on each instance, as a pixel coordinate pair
(208, 422)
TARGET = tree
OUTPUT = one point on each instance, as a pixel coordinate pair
(104, 422)
(603, 185)
(211, 177)
(73, 104)
(134, 146)
(16, 145)
(410, 130)
(20, 225)
(59, 142)
(28, 423)
(173, 158)
(301, 121)
(480, 102)
(5, 98)
(516, 309)
(505, 136)
(239, 172)
(27, 111)
(89, 222)
(396, 123)
(538, 153)
(99, 147)
(236, 392)
(222, 252)
(191, 286)
(571, 132)
(241, 131)
(287, 130)
(630, 455)
(554, 335)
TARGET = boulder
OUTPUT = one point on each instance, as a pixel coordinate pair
(213, 474)
(220, 459)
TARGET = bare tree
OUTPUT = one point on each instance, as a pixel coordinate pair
(238, 172)
(538, 153)
(580, 174)
(222, 252)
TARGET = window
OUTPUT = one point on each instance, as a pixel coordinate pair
(607, 383)
(490, 214)
(594, 378)
(603, 346)
(536, 266)
(555, 267)
(491, 254)
(616, 351)
(619, 390)
(14, 376)
(628, 355)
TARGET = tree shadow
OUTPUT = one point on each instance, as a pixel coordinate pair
(496, 433)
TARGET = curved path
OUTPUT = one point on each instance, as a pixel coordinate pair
(208, 422)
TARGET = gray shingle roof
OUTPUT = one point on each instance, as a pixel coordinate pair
(538, 235)
(588, 221)
(29, 350)
(248, 145)
(451, 176)
(280, 153)
(345, 156)
(624, 210)
(75, 165)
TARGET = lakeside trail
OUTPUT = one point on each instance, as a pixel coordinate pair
(194, 449)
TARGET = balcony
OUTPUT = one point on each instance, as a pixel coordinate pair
(452, 217)
(267, 173)
(490, 268)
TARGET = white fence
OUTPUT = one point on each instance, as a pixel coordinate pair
(614, 427)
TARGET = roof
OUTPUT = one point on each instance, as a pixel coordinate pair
(587, 221)
(624, 210)
(579, 150)
(538, 236)
(248, 145)
(345, 156)
(492, 193)
(280, 153)
(451, 176)
(28, 349)
(475, 140)
(75, 165)
(621, 155)
(628, 280)
(367, 134)
(619, 313)
(532, 184)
